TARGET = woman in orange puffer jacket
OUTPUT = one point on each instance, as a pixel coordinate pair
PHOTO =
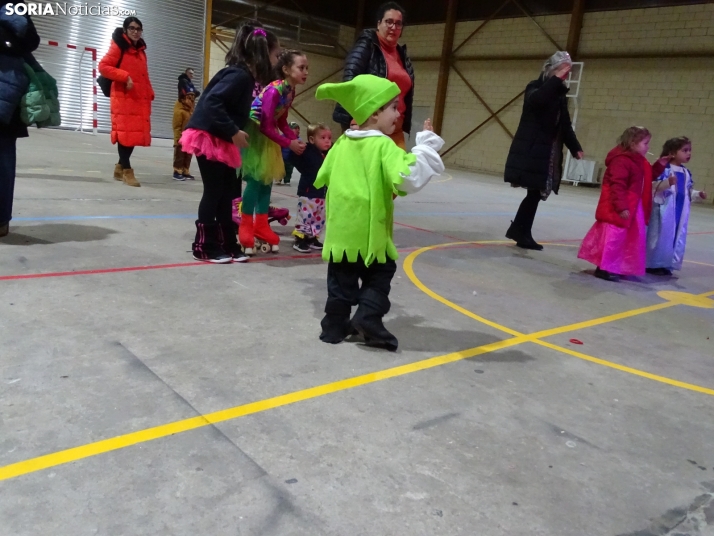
(131, 95)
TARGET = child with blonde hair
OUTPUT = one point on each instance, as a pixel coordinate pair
(616, 243)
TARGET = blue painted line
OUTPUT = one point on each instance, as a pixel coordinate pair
(120, 217)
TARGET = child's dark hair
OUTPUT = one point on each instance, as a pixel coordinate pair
(314, 130)
(388, 6)
(673, 146)
(632, 136)
(129, 20)
(251, 47)
(286, 59)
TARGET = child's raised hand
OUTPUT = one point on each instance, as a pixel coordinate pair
(703, 195)
(241, 139)
(297, 146)
(672, 179)
(625, 214)
(427, 125)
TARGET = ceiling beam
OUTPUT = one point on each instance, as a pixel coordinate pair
(442, 85)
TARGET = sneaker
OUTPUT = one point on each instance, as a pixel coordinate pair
(178, 176)
(240, 257)
(221, 258)
(302, 245)
(189, 177)
(315, 243)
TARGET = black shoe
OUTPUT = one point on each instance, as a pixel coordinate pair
(529, 243)
(302, 245)
(188, 177)
(515, 232)
(218, 258)
(607, 276)
(370, 326)
(522, 237)
(335, 328)
(659, 271)
(315, 243)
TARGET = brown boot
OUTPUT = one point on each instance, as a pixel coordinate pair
(129, 179)
(118, 172)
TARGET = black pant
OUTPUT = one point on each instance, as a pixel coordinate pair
(8, 159)
(125, 155)
(220, 187)
(527, 211)
(344, 291)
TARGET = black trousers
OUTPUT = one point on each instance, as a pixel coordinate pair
(125, 155)
(220, 187)
(344, 290)
(527, 211)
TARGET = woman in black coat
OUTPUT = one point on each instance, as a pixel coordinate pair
(18, 37)
(373, 53)
(535, 160)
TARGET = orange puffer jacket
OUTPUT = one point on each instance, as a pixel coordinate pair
(131, 109)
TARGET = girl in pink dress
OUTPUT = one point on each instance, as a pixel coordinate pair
(216, 131)
(616, 244)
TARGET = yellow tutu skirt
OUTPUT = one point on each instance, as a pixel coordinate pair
(263, 158)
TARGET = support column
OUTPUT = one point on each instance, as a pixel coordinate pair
(445, 65)
(207, 42)
(576, 25)
(359, 23)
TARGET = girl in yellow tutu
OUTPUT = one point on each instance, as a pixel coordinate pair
(263, 160)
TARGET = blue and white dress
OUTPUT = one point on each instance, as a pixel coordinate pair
(667, 231)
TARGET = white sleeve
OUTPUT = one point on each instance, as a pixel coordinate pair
(428, 162)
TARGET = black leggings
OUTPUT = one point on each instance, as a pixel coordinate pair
(125, 155)
(220, 187)
(527, 211)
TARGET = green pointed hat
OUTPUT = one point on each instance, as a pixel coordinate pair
(361, 96)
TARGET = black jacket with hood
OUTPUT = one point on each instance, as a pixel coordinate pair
(366, 57)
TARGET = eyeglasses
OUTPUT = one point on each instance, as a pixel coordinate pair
(134, 29)
(394, 23)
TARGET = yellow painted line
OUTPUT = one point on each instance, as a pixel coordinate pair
(448, 178)
(409, 270)
(700, 263)
(537, 336)
(142, 436)
(629, 370)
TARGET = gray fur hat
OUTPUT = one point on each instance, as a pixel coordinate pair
(556, 60)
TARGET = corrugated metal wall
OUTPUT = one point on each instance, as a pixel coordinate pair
(174, 35)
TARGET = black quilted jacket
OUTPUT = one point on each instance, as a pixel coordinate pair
(366, 58)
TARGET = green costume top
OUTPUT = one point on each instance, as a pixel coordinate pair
(361, 175)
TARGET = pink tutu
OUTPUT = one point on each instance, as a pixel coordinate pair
(201, 143)
(617, 250)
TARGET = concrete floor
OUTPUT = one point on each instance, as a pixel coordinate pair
(473, 429)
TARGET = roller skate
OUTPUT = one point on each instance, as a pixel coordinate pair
(266, 238)
(246, 235)
(279, 214)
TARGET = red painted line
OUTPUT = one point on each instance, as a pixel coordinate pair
(99, 271)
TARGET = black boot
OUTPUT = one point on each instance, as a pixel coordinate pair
(532, 244)
(367, 321)
(522, 237)
(206, 246)
(336, 323)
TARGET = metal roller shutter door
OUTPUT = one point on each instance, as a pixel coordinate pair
(174, 33)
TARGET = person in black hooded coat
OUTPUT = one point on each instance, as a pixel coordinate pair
(535, 158)
(18, 37)
(185, 84)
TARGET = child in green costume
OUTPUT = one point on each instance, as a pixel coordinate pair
(364, 171)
